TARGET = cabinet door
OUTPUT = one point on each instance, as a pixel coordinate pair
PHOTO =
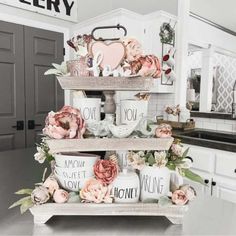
(224, 191)
(12, 103)
(43, 94)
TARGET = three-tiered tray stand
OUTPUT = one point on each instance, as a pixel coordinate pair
(108, 85)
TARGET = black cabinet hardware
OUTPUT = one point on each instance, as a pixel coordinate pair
(213, 183)
(32, 125)
(206, 181)
(19, 125)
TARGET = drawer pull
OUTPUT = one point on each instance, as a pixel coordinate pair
(234, 170)
(206, 181)
(213, 183)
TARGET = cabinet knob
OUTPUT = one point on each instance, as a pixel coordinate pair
(206, 181)
(234, 170)
(213, 183)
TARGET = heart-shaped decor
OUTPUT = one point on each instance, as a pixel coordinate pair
(113, 53)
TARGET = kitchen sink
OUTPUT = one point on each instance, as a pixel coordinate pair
(208, 135)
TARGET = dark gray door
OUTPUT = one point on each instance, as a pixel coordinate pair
(26, 95)
(43, 94)
(12, 111)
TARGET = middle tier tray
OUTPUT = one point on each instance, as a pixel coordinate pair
(108, 144)
(106, 83)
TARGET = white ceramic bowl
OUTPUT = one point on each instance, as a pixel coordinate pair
(75, 160)
(74, 173)
(71, 184)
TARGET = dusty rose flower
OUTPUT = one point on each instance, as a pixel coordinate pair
(146, 66)
(105, 171)
(40, 195)
(179, 197)
(95, 191)
(133, 49)
(136, 160)
(177, 150)
(60, 196)
(189, 192)
(160, 158)
(66, 123)
(163, 131)
(51, 184)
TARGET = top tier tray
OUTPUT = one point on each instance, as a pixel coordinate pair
(106, 83)
(108, 144)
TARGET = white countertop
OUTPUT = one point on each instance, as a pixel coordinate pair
(208, 216)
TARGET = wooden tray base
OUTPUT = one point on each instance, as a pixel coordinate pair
(44, 212)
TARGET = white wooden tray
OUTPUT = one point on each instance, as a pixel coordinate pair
(44, 212)
(106, 83)
(108, 144)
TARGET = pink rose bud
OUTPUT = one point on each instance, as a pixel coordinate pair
(60, 196)
(179, 198)
(51, 184)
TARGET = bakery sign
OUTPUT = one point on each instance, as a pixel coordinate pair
(63, 9)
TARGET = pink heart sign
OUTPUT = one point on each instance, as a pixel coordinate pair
(113, 53)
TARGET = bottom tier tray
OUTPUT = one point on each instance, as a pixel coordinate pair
(44, 212)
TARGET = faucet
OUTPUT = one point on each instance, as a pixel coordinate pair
(234, 101)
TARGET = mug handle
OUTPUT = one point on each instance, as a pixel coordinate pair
(176, 180)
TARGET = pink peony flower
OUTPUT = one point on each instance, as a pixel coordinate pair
(179, 197)
(146, 66)
(60, 196)
(105, 171)
(133, 49)
(95, 191)
(177, 150)
(189, 192)
(51, 184)
(163, 131)
(66, 123)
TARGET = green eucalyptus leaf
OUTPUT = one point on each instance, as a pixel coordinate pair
(171, 166)
(52, 72)
(57, 66)
(20, 202)
(192, 176)
(151, 160)
(150, 200)
(24, 191)
(185, 153)
(25, 206)
(164, 201)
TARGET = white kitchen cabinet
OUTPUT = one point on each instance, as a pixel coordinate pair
(218, 168)
(224, 190)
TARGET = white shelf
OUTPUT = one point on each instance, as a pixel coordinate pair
(108, 144)
(44, 212)
(106, 83)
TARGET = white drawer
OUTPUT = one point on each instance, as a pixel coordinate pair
(226, 164)
(203, 159)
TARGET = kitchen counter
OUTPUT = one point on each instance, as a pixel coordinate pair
(215, 144)
(207, 216)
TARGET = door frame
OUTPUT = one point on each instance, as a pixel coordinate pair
(66, 31)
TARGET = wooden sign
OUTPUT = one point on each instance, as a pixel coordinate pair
(62, 9)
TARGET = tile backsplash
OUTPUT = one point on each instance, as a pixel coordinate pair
(215, 124)
(157, 103)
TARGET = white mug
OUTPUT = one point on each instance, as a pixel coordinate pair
(132, 110)
(170, 74)
(155, 182)
(170, 61)
(90, 108)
